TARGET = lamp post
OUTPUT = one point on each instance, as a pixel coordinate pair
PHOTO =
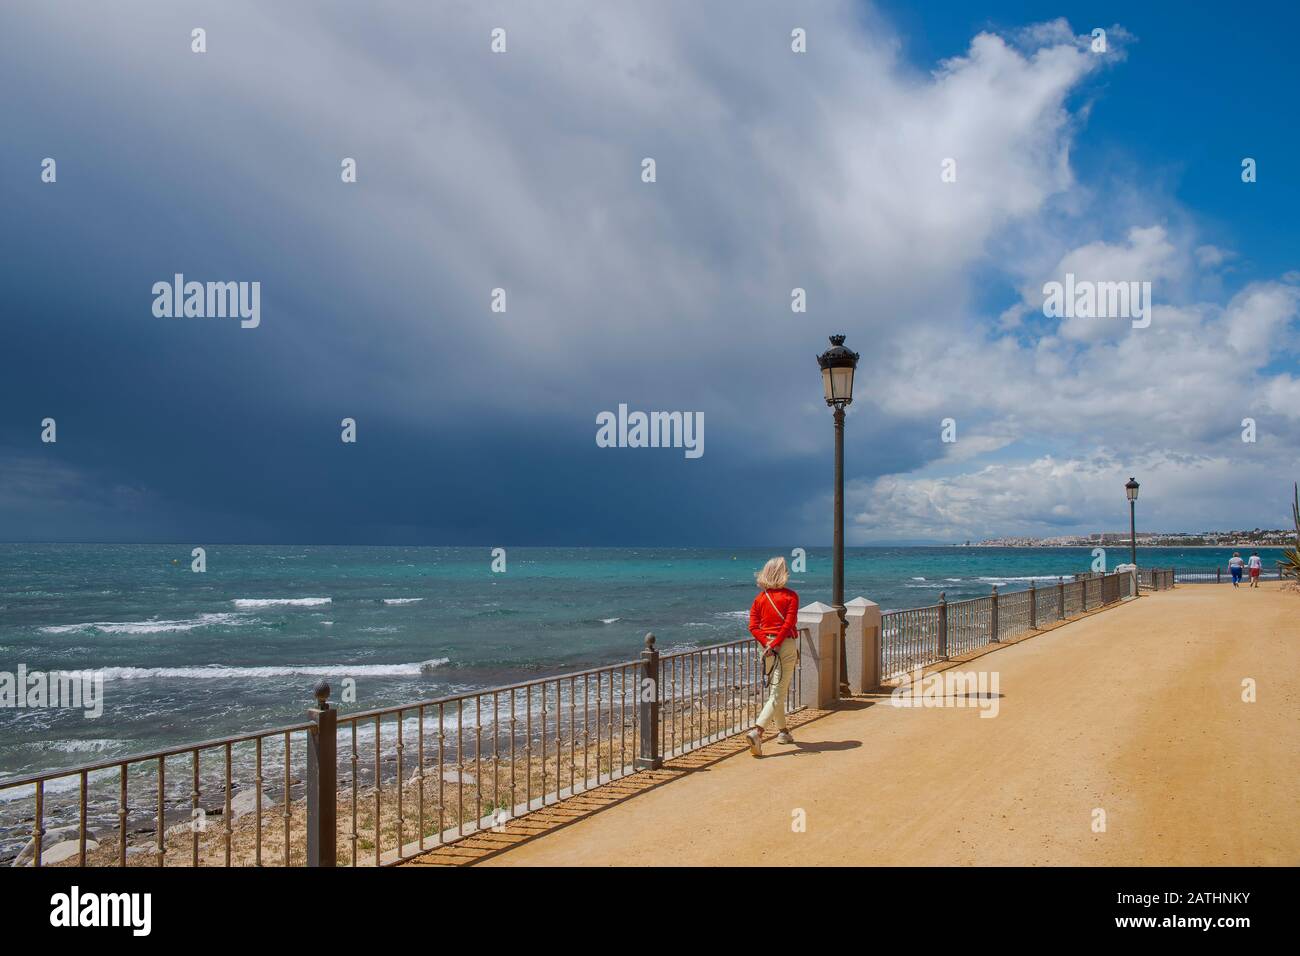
(837, 365)
(1131, 487)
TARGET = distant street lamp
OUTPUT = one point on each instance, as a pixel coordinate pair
(1131, 486)
(837, 365)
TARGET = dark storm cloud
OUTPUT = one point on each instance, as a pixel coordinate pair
(479, 171)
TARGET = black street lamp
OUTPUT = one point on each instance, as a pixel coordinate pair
(837, 365)
(1131, 486)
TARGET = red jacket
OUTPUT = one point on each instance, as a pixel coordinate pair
(772, 625)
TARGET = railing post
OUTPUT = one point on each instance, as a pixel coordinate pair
(819, 670)
(647, 693)
(1060, 595)
(1033, 605)
(322, 781)
(943, 626)
(993, 617)
(1218, 575)
(862, 644)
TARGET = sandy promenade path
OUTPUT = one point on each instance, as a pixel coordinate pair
(1136, 711)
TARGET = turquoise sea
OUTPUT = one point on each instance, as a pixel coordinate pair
(192, 656)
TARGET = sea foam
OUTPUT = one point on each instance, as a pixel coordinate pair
(1028, 577)
(281, 602)
(228, 672)
(150, 627)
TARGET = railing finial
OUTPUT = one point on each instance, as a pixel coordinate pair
(322, 693)
(650, 642)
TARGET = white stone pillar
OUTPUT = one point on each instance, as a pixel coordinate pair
(862, 644)
(819, 668)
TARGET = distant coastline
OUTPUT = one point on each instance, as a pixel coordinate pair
(1140, 544)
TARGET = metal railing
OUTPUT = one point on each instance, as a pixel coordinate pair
(1014, 613)
(380, 786)
(1155, 579)
(1218, 575)
(1049, 604)
(969, 624)
(911, 638)
(165, 789)
(479, 758)
(927, 635)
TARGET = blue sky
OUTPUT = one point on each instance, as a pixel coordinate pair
(1199, 87)
(522, 171)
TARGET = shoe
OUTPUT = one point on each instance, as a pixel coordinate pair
(755, 743)
(784, 737)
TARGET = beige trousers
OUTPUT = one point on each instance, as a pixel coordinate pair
(773, 711)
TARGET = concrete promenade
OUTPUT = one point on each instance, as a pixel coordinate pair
(1135, 712)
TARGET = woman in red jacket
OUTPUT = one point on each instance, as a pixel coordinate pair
(773, 618)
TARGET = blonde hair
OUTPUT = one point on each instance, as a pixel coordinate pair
(773, 575)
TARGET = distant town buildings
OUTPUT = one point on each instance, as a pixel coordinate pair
(1259, 538)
